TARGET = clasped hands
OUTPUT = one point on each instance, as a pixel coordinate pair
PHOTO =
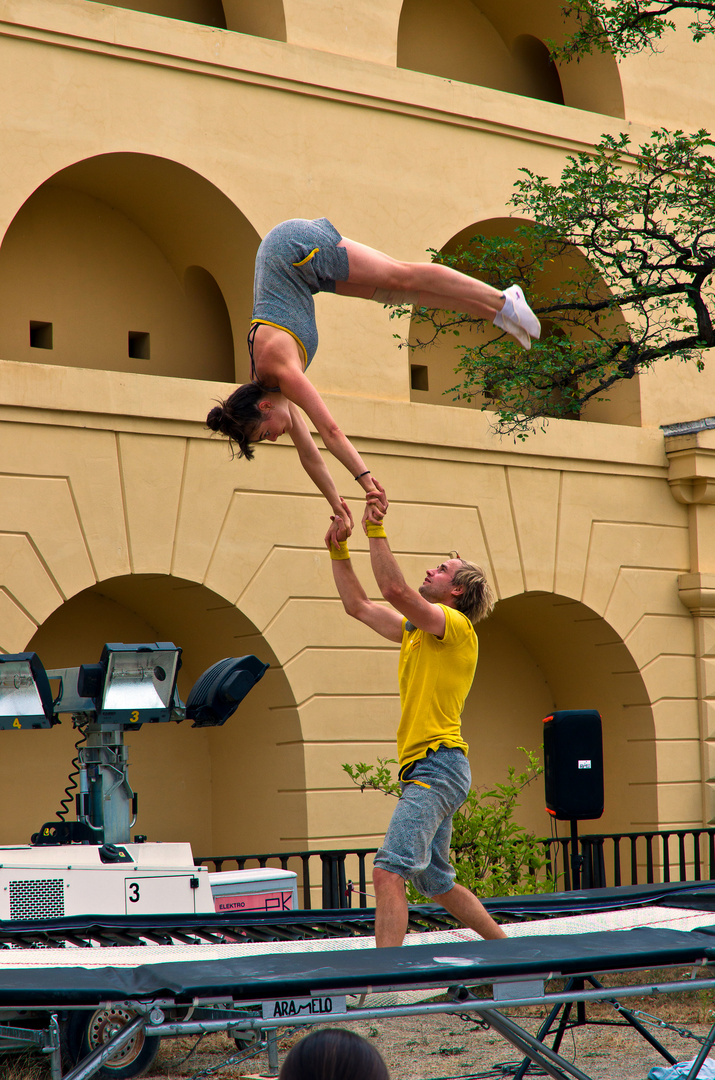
(342, 523)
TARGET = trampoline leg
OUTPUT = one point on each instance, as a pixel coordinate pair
(53, 1049)
(548, 1024)
(556, 1067)
(272, 1040)
(564, 1022)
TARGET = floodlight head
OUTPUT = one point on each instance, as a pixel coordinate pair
(132, 684)
(25, 694)
(216, 695)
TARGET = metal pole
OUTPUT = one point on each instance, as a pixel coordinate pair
(272, 1041)
(53, 1048)
(576, 859)
(704, 1050)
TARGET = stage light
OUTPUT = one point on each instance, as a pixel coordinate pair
(132, 684)
(216, 695)
(25, 694)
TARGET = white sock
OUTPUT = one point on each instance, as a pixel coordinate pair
(506, 312)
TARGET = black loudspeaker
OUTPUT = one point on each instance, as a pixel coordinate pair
(573, 764)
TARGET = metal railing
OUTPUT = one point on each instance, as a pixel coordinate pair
(604, 859)
(337, 889)
(633, 858)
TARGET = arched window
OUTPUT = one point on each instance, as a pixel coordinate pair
(127, 262)
(502, 45)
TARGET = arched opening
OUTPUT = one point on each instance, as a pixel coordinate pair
(432, 367)
(538, 69)
(205, 12)
(127, 262)
(221, 789)
(502, 46)
(261, 18)
(454, 41)
(540, 652)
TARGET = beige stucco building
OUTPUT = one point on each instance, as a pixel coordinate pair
(146, 149)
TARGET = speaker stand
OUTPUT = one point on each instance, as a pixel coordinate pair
(576, 856)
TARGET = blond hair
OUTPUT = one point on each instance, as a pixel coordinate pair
(476, 599)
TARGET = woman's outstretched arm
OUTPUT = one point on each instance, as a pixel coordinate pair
(312, 462)
(295, 386)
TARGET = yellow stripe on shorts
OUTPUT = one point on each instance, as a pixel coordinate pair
(307, 258)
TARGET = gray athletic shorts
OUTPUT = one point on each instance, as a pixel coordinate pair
(416, 844)
(295, 260)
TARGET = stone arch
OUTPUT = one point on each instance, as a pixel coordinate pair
(217, 788)
(432, 368)
(540, 652)
(502, 46)
(128, 262)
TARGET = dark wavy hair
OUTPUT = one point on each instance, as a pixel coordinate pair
(333, 1054)
(237, 417)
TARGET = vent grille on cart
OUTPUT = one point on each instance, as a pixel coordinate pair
(43, 899)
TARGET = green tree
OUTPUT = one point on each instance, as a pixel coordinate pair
(617, 262)
(627, 26)
(492, 854)
(631, 235)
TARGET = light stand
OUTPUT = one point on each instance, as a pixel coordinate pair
(132, 685)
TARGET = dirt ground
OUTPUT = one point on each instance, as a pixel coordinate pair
(446, 1047)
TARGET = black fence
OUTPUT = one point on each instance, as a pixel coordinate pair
(633, 858)
(602, 860)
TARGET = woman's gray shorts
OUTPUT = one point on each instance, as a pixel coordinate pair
(416, 845)
(295, 260)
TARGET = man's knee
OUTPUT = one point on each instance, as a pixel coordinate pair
(387, 882)
(450, 893)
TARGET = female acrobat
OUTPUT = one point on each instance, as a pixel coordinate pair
(297, 259)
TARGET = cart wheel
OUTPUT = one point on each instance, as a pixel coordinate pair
(86, 1031)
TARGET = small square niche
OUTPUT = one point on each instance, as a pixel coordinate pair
(419, 376)
(139, 345)
(40, 335)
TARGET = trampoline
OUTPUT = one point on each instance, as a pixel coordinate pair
(249, 986)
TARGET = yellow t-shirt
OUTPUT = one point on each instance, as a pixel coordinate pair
(435, 676)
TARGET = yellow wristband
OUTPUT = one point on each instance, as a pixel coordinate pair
(374, 530)
(342, 552)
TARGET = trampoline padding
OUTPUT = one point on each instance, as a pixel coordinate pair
(294, 975)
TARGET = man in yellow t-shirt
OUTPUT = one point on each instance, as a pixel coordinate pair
(435, 628)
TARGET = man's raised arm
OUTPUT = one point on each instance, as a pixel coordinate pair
(384, 620)
(391, 583)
